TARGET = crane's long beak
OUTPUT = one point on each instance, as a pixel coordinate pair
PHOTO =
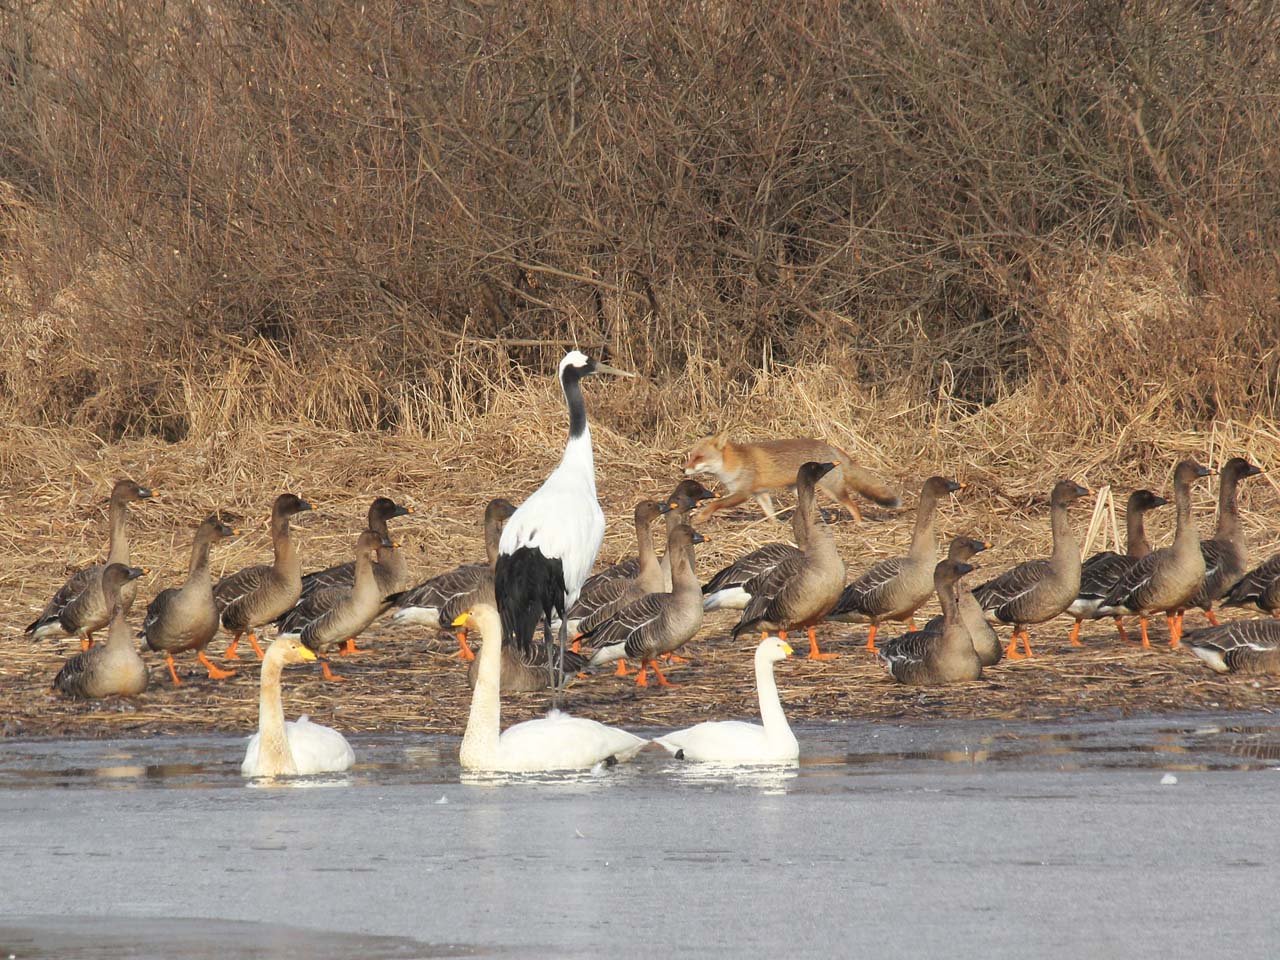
(605, 368)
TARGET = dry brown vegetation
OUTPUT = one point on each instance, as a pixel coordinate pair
(336, 247)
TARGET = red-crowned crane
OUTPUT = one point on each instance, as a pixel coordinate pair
(549, 545)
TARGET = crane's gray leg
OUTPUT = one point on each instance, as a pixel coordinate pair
(546, 642)
(564, 642)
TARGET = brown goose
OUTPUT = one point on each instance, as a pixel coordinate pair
(613, 594)
(686, 495)
(390, 568)
(1103, 570)
(80, 606)
(1038, 590)
(257, 595)
(1261, 587)
(336, 614)
(1245, 646)
(113, 668)
(1165, 579)
(802, 589)
(658, 623)
(1226, 556)
(936, 657)
(437, 602)
(985, 642)
(185, 618)
(894, 589)
(725, 590)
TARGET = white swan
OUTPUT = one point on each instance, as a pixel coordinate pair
(296, 748)
(732, 741)
(556, 742)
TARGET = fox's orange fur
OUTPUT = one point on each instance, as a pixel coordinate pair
(754, 469)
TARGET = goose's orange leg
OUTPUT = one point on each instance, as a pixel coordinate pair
(86, 642)
(1011, 652)
(230, 652)
(1175, 635)
(782, 634)
(1124, 637)
(329, 674)
(1075, 635)
(464, 650)
(253, 642)
(642, 678)
(1146, 641)
(871, 638)
(672, 658)
(662, 681)
(622, 670)
(214, 672)
(576, 646)
(172, 670)
(814, 652)
(350, 649)
(1213, 618)
(1026, 642)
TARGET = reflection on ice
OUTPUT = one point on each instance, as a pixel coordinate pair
(769, 778)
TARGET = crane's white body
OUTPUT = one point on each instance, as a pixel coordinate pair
(562, 519)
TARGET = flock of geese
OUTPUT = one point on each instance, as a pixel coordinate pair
(537, 572)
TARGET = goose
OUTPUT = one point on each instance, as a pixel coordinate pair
(255, 596)
(1166, 579)
(1245, 646)
(615, 593)
(113, 668)
(80, 607)
(549, 545)
(945, 656)
(802, 589)
(437, 602)
(390, 569)
(1260, 586)
(684, 498)
(894, 589)
(555, 742)
(658, 623)
(185, 618)
(1226, 556)
(735, 742)
(985, 642)
(1103, 570)
(336, 614)
(1038, 590)
(297, 747)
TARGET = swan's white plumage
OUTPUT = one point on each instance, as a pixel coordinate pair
(733, 741)
(297, 747)
(561, 742)
(315, 748)
(555, 742)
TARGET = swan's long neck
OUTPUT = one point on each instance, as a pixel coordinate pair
(118, 544)
(771, 715)
(1136, 534)
(275, 757)
(923, 543)
(480, 740)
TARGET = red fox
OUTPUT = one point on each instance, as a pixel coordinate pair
(753, 469)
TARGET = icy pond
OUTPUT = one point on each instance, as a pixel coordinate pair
(1135, 838)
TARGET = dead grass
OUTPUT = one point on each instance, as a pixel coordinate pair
(52, 520)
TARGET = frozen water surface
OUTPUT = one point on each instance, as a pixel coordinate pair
(984, 839)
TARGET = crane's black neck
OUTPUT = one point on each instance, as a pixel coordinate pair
(569, 379)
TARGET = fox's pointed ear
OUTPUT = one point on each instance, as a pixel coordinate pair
(720, 440)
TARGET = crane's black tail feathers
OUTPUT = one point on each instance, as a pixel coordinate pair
(528, 587)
